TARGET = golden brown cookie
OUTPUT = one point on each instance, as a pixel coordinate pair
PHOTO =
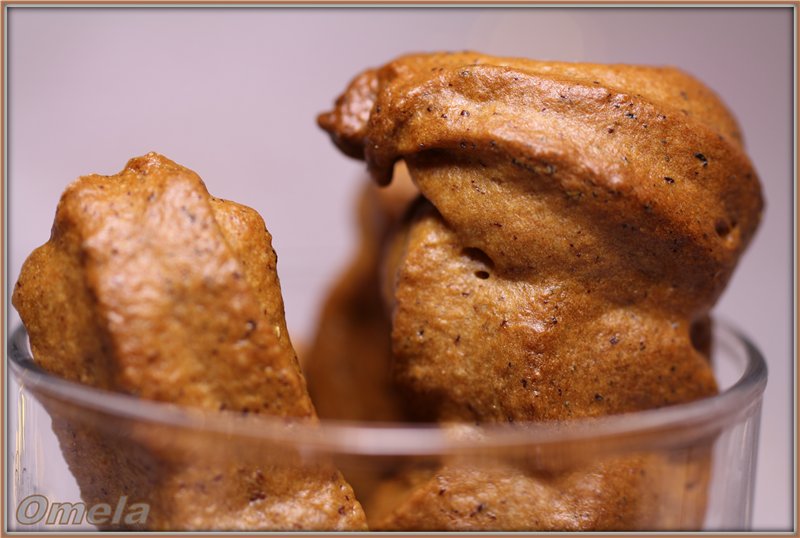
(620, 494)
(474, 344)
(151, 287)
(581, 219)
(348, 365)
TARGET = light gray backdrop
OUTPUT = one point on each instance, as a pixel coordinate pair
(233, 94)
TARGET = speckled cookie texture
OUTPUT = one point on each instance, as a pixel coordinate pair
(579, 223)
(487, 494)
(151, 287)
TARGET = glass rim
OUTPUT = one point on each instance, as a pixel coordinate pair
(676, 425)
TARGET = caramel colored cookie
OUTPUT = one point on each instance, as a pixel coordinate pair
(472, 343)
(581, 222)
(635, 492)
(151, 287)
(348, 365)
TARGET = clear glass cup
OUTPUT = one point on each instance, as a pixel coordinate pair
(685, 467)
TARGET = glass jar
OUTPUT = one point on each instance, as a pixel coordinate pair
(117, 459)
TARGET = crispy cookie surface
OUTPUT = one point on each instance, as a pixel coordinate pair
(151, 287)
(580, 220)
